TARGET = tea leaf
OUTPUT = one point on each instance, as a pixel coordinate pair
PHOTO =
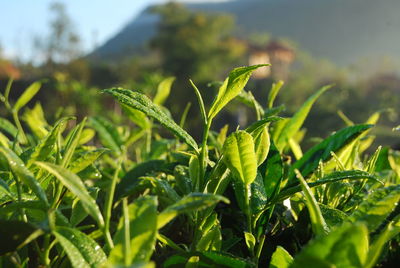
(240, 157)
(231, 88)
(142, 103)
(76, 186)
(376, 248)
(86, 159)
(317, 220)
(295, 123)
(130, 182)
(142, 231)
(163, 90)
(322, 151)
(107, 132)
(28, 94)
(8, 127)
(377, 206)
(281, 258)
(46, 146)
(272, 172)
(201, 103)
(81, 250)
(333, 250)
(276, 87)
(72, 142)
(23, 173)
(330, 178)
(189, 203)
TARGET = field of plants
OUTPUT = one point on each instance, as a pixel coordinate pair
(145, 193)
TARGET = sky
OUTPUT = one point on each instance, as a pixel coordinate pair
(95, 21)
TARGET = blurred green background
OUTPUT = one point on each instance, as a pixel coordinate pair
(309, 43)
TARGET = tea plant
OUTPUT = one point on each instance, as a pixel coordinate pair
(97, 194)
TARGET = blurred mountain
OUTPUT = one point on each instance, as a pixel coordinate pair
(343, 31)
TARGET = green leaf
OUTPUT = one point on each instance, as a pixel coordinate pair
(376, 248)
(81, 250)
(210, 240)
(240, 157)
(76, 186)
(47, 145)
(322, 151)
(142, 231)
(137, 117)
(8, 127)
(163, 90)
(79, 213)
(295, 123)
(247, 98)
(296, 149)
(346, 246)
(189, 203)
(23, 173)
(258, 197)
(260, 134)
(201, 103)
(28, 94)
(332, 216)
(281, 258)
(131, 183)
(36, 120)
(86, 159)
(335, 176)
(250, 241)
(15, 234)
(276, 87)
(142, 103)
(272, 172)
(318, 223)
(220, 259)
(107, 132)
(208, 259)
(377, 206)
(72, 142)
(231, 87)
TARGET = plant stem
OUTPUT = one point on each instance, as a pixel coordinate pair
(127, 235)
(203, 155)
(47, 249)
(260, 246)
(19, 126)
(19, 193)
(247, 208)
(108, 205)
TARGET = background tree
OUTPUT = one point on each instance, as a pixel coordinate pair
(195, 44)
(62, 43)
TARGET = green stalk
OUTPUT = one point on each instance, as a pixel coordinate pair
(127, 235)
(47, 249)
(260, 247)
(203, 155)
(247, 208)
(19, 193)
(19, 126)
(108, 206)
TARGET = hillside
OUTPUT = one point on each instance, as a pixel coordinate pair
(343, 31)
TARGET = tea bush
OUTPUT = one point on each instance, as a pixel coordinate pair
(97, 194)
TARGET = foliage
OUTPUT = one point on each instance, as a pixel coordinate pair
(94, 193)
